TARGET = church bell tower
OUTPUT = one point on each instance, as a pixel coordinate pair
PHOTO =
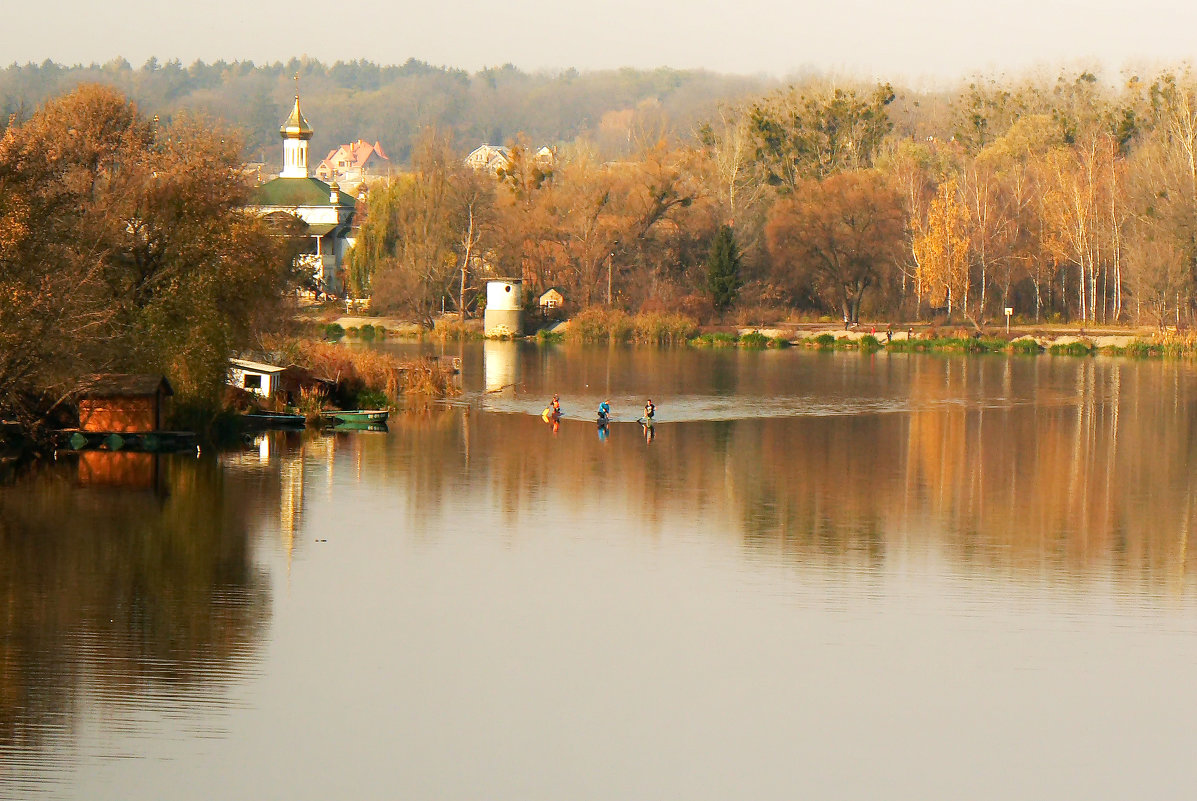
(295, 133)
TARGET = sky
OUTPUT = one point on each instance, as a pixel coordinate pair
(912, 40)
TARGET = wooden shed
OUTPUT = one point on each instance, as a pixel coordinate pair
(256, 377)
(124, 403)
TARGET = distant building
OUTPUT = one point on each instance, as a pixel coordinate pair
(327, 211)
(493, 158)
(353, 164)
(551, 299)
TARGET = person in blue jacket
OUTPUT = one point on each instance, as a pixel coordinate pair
(604, 412)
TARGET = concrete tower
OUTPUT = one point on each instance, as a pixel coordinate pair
(504, 308)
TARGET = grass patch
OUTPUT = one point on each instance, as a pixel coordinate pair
(547, 337)
(333, 331)
(824, 341)
(1025, 347)
(754, 340)
(869, 344)
(779, 342)
(715, 340)
(371, 399)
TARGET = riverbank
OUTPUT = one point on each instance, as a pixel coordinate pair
(602, 326)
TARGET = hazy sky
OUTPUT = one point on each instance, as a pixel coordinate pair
(868, 38)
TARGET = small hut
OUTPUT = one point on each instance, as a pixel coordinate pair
(551, 300)
(124, 403)
(256, 377)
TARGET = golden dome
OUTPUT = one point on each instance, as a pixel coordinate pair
(296, 127)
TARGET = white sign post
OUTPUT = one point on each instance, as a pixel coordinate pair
(1009, 312)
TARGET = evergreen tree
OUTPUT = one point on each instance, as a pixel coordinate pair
(723, 269)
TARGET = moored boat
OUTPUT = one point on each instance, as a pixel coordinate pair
(274, 420)
(357, 416)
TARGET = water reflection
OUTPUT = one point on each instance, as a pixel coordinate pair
(120, 577)
(474, 545)
(1052, 467)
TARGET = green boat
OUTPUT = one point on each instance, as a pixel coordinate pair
(357, 416)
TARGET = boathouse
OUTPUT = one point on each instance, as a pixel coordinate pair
(124, 403)
(256, 377)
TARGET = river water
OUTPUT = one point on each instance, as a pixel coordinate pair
(828, 576)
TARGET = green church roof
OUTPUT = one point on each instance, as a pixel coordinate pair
(291, 192)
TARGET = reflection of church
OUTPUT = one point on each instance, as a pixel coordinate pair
(326, 210)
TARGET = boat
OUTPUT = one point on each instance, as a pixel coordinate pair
(274, 420)
(337, 417)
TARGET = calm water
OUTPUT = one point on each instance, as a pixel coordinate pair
(828, 576)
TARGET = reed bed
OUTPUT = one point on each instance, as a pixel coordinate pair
(615, 326)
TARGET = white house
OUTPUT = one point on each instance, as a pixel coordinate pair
(491, 158)
(260, 379)
(494, 158)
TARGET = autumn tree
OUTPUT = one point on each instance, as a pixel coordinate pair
(800, 136)
(423, 233)
(941, 246)
(125, 248)
(843, 235)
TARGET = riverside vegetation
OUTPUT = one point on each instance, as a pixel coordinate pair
(125, 248)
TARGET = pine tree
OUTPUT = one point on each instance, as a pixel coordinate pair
(723, 269)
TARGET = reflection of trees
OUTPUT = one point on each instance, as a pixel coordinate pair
(101, 590)
(1080, 466)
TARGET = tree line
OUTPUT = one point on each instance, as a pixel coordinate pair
(1063, 198)
(348, 100)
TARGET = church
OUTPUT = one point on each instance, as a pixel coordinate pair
(327, 211)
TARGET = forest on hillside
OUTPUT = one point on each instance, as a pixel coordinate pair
(346, 101)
